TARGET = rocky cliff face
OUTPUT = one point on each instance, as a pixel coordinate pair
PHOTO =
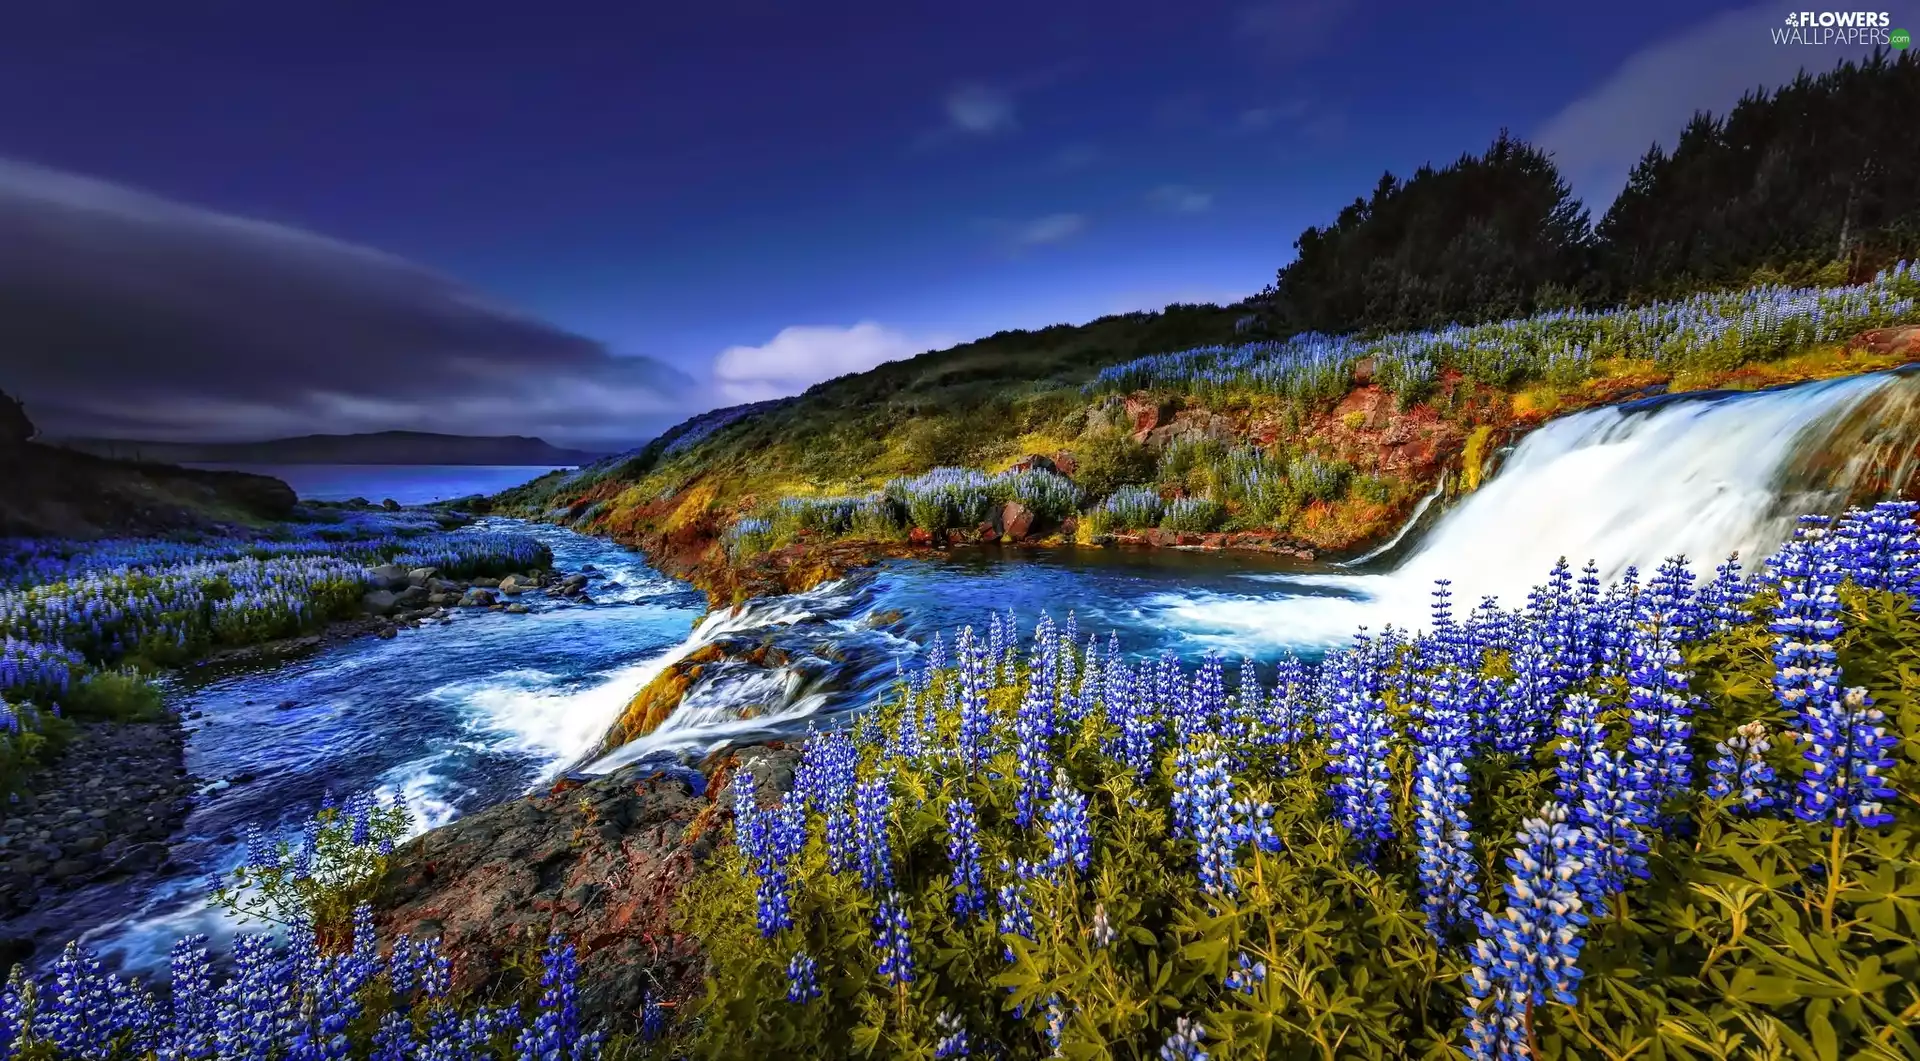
(47, 491)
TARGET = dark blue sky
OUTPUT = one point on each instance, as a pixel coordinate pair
(674, 180)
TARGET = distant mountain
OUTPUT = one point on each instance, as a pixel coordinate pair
(383, 447)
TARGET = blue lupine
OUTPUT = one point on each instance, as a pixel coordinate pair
(953, 1041)
(893, 939)
(1033, 736)
(1246, 975)
(873, 800)
(1069, 834)
(1016, 908)
(803, 978)
(1358, 734)
(555, 1031)
(1528, 953)
(963, 853)
(1848, 755)
(1739, 773)
(1184, 1043)
(653, 1017)
(975, 725)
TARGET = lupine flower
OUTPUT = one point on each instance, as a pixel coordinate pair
(1016, 909)
(963, 852)
(1101, 929)
(893, 939)
(1247, 975)
(1740, 772)
(1848, 754)
(953, 1036)
(1358, 732)
(975, 725)
(1528, 953)
(1069, 835)
(653, 1017)
(1033, 736)
(1184, 1043)
(873, 800)
(803, 982)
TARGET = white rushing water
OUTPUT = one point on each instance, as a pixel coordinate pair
(1702, 478)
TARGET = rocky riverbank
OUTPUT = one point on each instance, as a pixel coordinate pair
(602, 860)
(104, 810)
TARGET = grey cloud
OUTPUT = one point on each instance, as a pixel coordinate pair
(126, 314)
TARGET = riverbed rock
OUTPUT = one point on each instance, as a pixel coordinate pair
(602, 860)
(477, 597)
(389, 576)
(573, 582)
(420, 576)
(441, 585)
(377, 602)
(487, 583)
(441, 600)
(513, 585)
(1016, 521)
(411, 597)
(516, 608)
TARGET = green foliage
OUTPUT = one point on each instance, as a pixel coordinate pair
(1753, 936)
(335, 868)
(1314, 479)
(1109, 459)
(117, 695)
(1478, 239)
(1792, 185)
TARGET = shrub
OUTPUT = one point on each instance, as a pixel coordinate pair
(118, 695)
(1193, 514)
(1131, 508)
(1314, 479)
(1110, 459)
(747, 537)
(1051, 496)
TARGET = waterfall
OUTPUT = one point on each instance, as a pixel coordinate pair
(1702, 476)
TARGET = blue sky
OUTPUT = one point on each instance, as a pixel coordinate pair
(673, 182)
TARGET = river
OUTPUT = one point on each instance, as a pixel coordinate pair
(453, 718)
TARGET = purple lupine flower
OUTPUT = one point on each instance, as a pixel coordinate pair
(1848, 756)
(1033, 736)
(1069, 834)
(872, 803)
(1529, 952)
(893, 939)
(1739, 773)
(1247, 975)
(953, 1040)
(963, 851)
(1358, 738)
(975, 724)
(1449, 889)
(1607, 794)
(1184, 1043)
(803, 979)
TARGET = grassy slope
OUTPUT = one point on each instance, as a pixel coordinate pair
(989, 403)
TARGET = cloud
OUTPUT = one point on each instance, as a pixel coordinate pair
(1073, 157)
(1179, 199)
(1288, 30)
(980, 109)
(1597, 138)
(1053, 228)
(125, 314)
(803, 355)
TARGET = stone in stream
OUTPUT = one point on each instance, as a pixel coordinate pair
(419, 576)
(389, 576)
(377, 602)
(478, 597)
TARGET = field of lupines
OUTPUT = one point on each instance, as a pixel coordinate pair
(1709, 331)
(70, 611)
(1662, 818)
(1668, 817)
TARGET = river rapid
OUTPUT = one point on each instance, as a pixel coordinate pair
(452, 718)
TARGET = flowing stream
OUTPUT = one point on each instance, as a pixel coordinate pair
(454, 718)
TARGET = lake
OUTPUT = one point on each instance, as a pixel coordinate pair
(409, 484)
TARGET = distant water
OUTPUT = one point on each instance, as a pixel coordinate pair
(409, 484)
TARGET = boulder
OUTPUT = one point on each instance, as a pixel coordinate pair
(412, 597)
(390, 505)
(377, 602)
(390, 576)
(986, 532)
(1145, 416)
(517, 608)
(441, 585)
(1899, 340)
(441, 600)
(487, 583)
(573, 583)
(1016, 521)
(420, 576)
(1363, 372)
(1065, 464)
(512, 586)
(920, 536)
(478, 597)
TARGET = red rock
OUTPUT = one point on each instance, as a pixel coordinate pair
(1900, 340)
(1065, 464)
(1363, 371)
(1145, 416)
(1069, 527)
(1016, 521)
(920, 536)
(985, 532)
